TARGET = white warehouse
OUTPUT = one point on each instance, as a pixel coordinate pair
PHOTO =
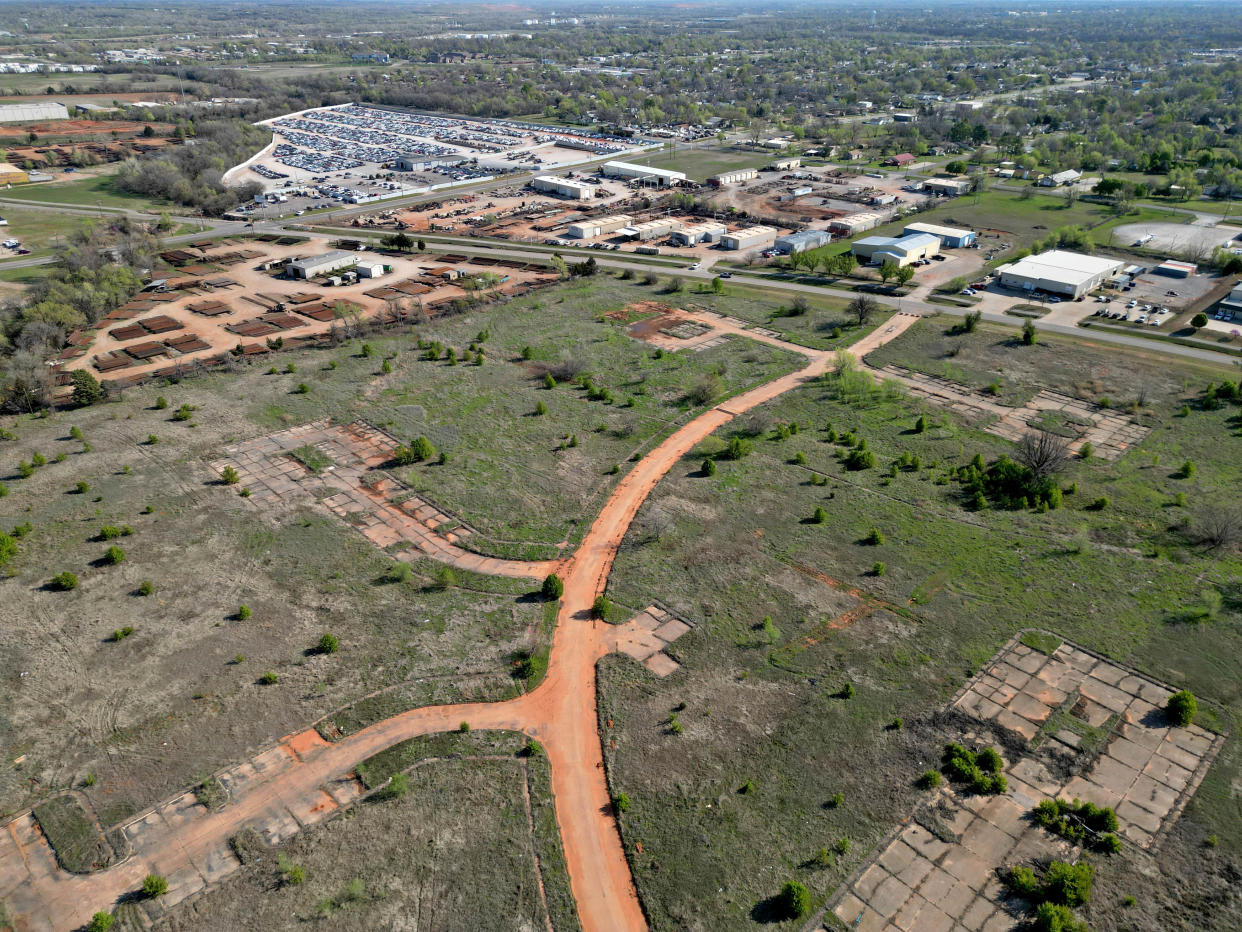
(1059, 272)
(565, 187)
(707, 232)
(661, 177)
(321, 265)
(749, 238)
(733, 177)
(589, 229)
(23, 113)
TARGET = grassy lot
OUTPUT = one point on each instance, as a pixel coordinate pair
(516, 476)
(38, 230)
(97, 190)
(73, 836)
(180, 696)
(741, 797)
(470, 864)
(701, 163)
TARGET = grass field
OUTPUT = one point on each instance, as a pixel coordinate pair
(38, 230)
(701, 163)
(95, 191)
(482, 861)
(512, 474)
(741, 797)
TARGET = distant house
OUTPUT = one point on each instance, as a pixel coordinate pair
(1069, 176)
(899, 161)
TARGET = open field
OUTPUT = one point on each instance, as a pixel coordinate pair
(489, 860)
(94, 191)
(701, 163)
(190, 699)
(741, 794)
(38, 230)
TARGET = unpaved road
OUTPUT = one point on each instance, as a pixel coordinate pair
(560, 713)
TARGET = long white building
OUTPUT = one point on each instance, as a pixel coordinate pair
(1059, 272)
(565, 187)
(661, 177)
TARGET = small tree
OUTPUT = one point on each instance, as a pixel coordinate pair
(862, 308)
(230, 476)
(1181, 708)
(709, 467)
(328, 644)
(904, 274)
(423, 449)
(601, 608)
(86, 388)
(153, 885)
(794, 900)
(888, 271)
(1029, 337)
(553, 587)
(1199, 320)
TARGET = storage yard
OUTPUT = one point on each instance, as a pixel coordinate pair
(339, 146)
(248, 297)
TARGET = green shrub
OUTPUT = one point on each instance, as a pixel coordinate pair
(291, 874)
(794, 900)
(109, 532)
(63, 582)
(229, 476)
(553, 587)
(328, 644)
(243, 612)
(1181, 708)
(302, 389)
(1068, 884)
(269, 678)
(1053, 917)
(146, 587)
(398, 573)
(121, 634)
(820, 515)
(1099, 504)
(101, 922)
(879, 568)
(1188, 470)
(875, 538)
(161, 403)
(153, 885)
(929, 780)
(709, 467)
(184, 413)
(621, 803)
(114, 555)
(601, 608)
(445, 578)
(541, 409)
(841, 846)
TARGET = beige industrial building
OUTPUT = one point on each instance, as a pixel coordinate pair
(783, 165)
(1059, 272)
(652, 229)
(750, 238)
(853, 224)
(32, 113)
(565, 187)
(589, 229)
(708, 232)
(11, 174)
(953, 187)
(733, 177)
(900, 250)
(321, 265)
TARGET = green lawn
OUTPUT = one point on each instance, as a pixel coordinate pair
(38, 230)
(701, 164)
(98, 190)
(740, 797)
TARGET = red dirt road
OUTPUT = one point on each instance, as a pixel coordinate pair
(560, 713)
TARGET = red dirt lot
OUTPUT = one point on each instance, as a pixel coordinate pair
(80, 128)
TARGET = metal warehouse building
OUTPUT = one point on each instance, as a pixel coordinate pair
(25, 113)
(652, 229)
(565, 187)
(661, 177)
(800, 242)
(708, 232)
(950, 186)
(589, 229)
(853, 224)
(902, 250)
(1059, 272)
(733, 177)
(950, 237)
(321, 265)
(749, 238)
